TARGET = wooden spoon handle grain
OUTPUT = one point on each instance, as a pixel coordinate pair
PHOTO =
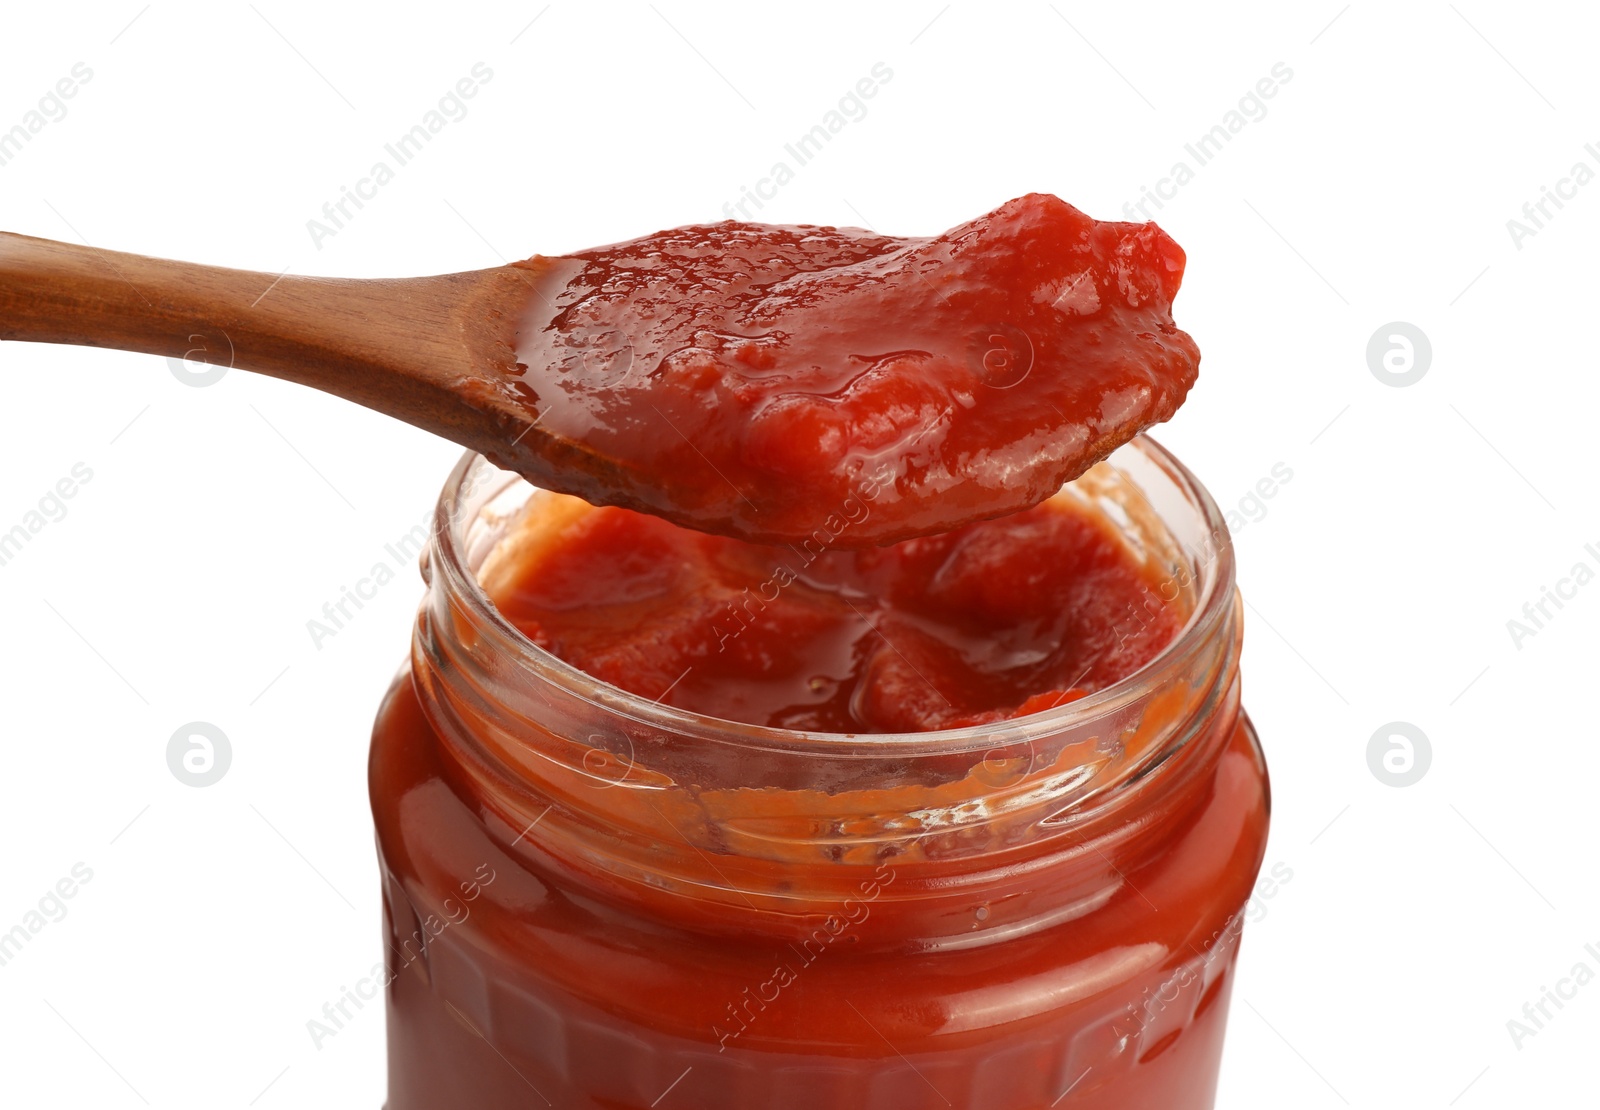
(403, 346)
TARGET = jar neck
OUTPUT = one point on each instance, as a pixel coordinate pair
(941, 838)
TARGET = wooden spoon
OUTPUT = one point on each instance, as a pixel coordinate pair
(813, 386)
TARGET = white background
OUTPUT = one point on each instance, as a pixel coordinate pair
(1419, 520)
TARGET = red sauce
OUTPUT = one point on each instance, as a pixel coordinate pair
(774, 382)
(592, 903)
(1000, 618)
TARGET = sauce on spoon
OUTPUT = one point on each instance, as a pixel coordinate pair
(793, 383)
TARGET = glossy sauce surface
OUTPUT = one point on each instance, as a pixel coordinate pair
(998, 619)
(770, 382)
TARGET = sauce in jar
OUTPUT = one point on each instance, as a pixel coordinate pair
(968, 822)
(994, 620)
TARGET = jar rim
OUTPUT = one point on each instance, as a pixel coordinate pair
(1215, 575)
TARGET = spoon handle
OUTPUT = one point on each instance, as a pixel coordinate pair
(402, 346)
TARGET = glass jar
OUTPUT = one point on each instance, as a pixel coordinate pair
(594, 900)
